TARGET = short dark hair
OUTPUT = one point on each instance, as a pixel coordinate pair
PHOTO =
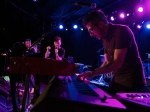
(27, 39)
(57, 38)
(94, 16)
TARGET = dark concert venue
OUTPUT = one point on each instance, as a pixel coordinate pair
(74, 55)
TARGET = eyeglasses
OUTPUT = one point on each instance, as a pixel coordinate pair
(91, 30)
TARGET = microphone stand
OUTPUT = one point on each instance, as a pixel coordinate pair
(98, 52)
(12, 78)
(148, 65)
(98, 61)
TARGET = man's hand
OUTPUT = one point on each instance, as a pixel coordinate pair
(66, 79)
(56, 51)
(85, 75)
(47, 52)
(48, 48)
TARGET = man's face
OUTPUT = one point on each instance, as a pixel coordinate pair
(96, 30)
(27, 43)
(57, 43)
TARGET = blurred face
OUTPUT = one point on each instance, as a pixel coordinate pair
(57, 43)
(27, 44)
(96, 30)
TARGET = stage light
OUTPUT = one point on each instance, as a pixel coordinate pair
(66, 29)
(112, 18)
(139, 26)
(133, 23)
(81, 29)
(128, 14)
(75, 26)
(122, 15)
(148, 26)
(35, 0)
(140, 9)
(60, 26)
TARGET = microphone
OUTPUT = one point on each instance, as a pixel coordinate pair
(56, 47)
(91, 5)
(56, 50)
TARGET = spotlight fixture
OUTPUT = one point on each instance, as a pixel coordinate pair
(128, 14)
(140, 9)
(35, 0)
(139, 26)
(122, 15)
(75, 26)
(112, 18)
(81, 29)
(60, 26)
(148, 26)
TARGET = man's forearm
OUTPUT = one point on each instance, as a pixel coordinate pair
(103, 69)
(107, 68)
(58, 58)
(104, 64)
(47, 54)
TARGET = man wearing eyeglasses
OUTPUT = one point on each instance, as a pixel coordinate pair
(120, 52)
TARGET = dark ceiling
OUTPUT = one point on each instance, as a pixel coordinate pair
(22, 17)
(60, 10)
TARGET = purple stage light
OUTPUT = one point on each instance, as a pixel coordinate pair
(140, 9)
(112, 18)
(35, 0)
(139, 26)
(122, 15)
(128, 14)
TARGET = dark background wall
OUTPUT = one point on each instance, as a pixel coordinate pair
(15, 27)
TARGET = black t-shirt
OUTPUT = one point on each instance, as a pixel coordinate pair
(26, 51)
(21, 50)
(61, 52)
(131, 72)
